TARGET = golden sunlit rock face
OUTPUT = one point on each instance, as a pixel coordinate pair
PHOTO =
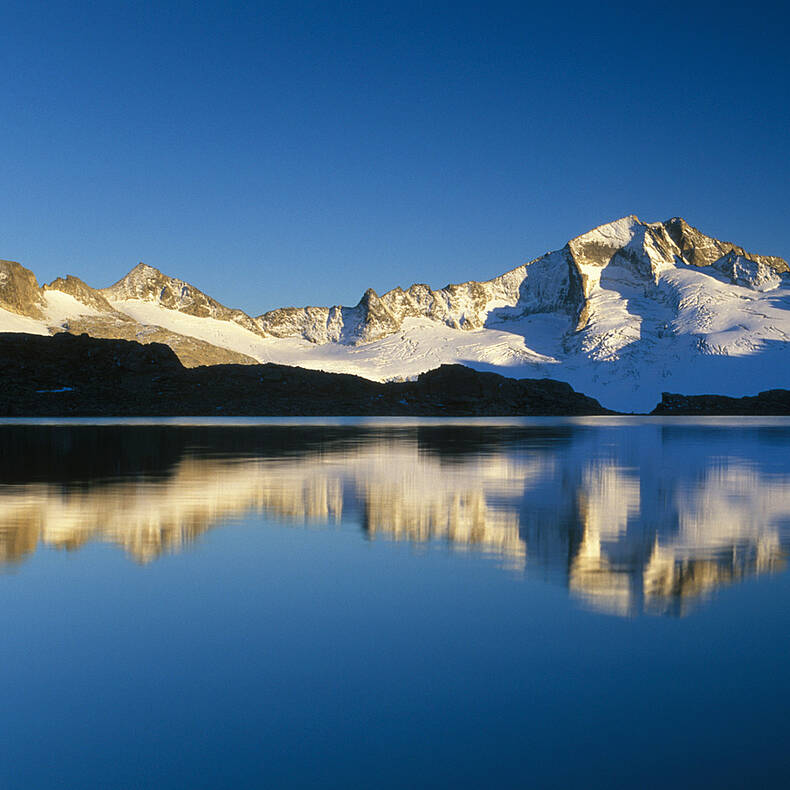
(624, 538)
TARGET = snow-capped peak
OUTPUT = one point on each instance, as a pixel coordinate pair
(611, 234)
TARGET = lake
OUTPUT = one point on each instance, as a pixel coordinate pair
(593, 602)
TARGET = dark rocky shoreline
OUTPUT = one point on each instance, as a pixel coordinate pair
(66, 375)
(79, 376)
(771, 403)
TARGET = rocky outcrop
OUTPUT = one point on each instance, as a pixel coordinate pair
(748, 273)
(19, 291)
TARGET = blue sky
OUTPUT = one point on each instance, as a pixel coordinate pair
(297, 153)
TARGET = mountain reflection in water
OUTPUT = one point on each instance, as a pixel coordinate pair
(640, 516)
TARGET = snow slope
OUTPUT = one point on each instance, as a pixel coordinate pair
(420, 345)
(57, 309)
(12, 322)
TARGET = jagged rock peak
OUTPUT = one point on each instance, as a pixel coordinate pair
(19, 291)
(148, 284)
(142, 282)
(650, 244)
(82, 292)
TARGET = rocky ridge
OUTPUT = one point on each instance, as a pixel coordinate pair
(556, 281)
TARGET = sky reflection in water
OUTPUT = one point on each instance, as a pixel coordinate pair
(444, 620)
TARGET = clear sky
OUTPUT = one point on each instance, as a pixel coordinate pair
(297, 153)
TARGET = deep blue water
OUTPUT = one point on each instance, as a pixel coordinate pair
(590, 603)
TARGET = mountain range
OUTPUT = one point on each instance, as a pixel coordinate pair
(623, 313)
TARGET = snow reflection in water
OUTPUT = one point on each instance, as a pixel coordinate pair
(635, 516)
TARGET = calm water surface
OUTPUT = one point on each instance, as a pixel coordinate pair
(579, 603)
